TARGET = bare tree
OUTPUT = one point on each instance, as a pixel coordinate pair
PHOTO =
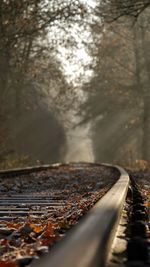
(23, 25)
(119, 101)
(111, 10)
(28, 66)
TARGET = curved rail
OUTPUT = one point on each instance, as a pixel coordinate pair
(27, 170)
(88, 243)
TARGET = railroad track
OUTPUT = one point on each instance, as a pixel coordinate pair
(39, 205)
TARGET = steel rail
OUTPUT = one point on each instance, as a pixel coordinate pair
(89, 242)
(27, 170)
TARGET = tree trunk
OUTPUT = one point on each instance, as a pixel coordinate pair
(4, 70)
(146, 98)
(143, 89)
(146, 129)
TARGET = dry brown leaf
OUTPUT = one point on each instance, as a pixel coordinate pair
(36, 228)
(8, 264)
(4, 242)
(13, 225)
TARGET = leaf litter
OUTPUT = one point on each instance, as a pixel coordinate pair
(77, 186)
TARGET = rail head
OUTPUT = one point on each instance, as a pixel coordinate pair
(88, 243)
(27, 170)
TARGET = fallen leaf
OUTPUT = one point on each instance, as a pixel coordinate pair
(8, 264)
(64, 224)
(36, 228)
(4, 242)
(49, 230)
(15, 226)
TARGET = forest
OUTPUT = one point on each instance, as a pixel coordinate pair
(74, 82)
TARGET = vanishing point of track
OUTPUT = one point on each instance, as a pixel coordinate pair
(92, 241)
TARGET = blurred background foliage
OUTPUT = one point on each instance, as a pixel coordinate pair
(74, 82)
